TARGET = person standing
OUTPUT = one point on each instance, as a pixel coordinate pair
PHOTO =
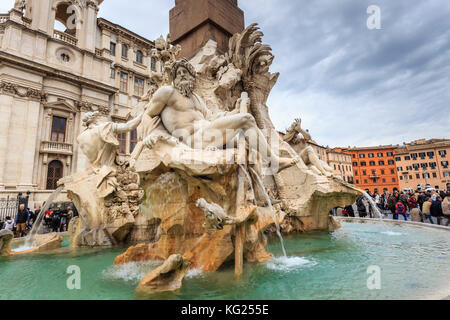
(436, 209)
(446, 209)
(400, 208)
(421, 199)
(361, 207)
(412, 202)
(21, 221)
(426, 209)
(9, 224)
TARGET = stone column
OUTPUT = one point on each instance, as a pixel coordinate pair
(5, 111)
(29, 143)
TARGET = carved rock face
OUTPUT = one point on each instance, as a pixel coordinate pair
(6, 237)
(167, 277)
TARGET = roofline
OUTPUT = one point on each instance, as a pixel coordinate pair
(115, 25)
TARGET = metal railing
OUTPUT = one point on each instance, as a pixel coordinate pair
(65, 37)
(56, 147)
(9, 206)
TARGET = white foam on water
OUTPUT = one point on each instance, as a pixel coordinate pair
(194, 273)
(133, 271)
(288, 263)
(23, 247)
(392, 233)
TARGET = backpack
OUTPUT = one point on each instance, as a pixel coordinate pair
(400, 207)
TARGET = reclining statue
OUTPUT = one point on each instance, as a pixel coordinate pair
(186, 118)
(307, 154)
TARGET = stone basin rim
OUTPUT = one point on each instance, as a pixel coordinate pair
(411, 223)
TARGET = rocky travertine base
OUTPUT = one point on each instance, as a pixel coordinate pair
(6, 237)
(167, 277)
(42, 243)
(171, 201)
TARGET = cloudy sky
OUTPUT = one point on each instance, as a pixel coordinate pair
(350, 85)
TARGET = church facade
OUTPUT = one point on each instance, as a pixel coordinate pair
(58, 61)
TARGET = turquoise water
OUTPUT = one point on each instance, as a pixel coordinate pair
(414, 263)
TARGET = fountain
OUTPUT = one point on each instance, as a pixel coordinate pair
(204, 187)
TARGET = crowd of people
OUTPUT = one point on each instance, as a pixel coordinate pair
(419, 206)
(55, 219)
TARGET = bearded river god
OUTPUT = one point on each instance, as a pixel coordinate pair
(186, 117)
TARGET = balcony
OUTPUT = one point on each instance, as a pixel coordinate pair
(65, 37)
(56, 147)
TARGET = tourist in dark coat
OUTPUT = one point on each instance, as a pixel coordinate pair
(436, 209)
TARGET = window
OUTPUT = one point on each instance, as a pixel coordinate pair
(401, 178)
(417, 176)
(355, 164)
(433, 165)
(416, 166)
(390, 154)
(122, 137)
(409, 168)
(362, 156)
(379, 155)
(133, 140)
(354, 156)
(443, 153)
(400, 169)
(335, 167)
(445, 164)
(422, 155)
(363, 164)
(374, 172)
(153, 63)
(372, 163)
(371, 155)
(112, 48)
(394, 180)
(384, 180)
(65, 57)
(365, 181)
(138, 86)
(434, 175)
(398, 159)
(382, 171)
(426, 176)
(356, 172)
(54, 173)
(392, 171)
(139, 57)
(124, 50)
(446, 174)
(113, 73)
(58, 129)
(424, 166)
(407, 158)
(123, 81)
(381, 163)
(430, 155)
(414, 156)
(364, 173)
(390, 162)
(357, 181)
(410, 177)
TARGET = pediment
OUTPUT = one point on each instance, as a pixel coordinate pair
(61, 105)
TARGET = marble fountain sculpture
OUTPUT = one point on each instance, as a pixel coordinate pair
(209, 175)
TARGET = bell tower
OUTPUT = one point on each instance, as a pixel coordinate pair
(76, 18)
(194, 22)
